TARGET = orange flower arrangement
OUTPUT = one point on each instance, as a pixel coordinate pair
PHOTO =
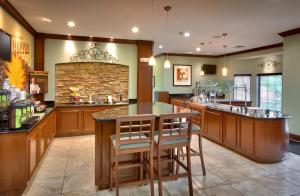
(16, 72)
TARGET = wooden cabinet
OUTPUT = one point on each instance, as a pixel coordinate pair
(70, 120)
(33, 139)
(213, 125)
(13, 163)
(38, 140)
(88, 121)
(230, 130)
(246, 135)
(77, 120)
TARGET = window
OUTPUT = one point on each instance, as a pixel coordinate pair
(239, 81)
(270, 91)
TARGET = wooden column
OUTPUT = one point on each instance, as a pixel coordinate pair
(39, 56)
(39, 47)
(144, 71)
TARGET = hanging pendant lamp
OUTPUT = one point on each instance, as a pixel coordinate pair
(167, 63)
(224, 69)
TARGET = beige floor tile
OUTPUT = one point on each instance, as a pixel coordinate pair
(79, 193)
(81, 182)
(229, 175)
(40, 191)
(253, 172)
(251, 187)
(280, 186)
(291, 176)
(124, 191)
(207, 181)
(225, 190)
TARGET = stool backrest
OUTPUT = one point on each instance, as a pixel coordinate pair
(135, 129)
(199, 118)
(174, 126)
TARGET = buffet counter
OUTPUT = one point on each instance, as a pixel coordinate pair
(260, 137)
(21, 150)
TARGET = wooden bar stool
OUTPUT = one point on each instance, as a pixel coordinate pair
(134, 135)
(197, 129)
(174, 133)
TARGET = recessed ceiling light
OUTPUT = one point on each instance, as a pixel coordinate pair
(198, 49)
(135, 29)
(71, 24)
(186, 34)
(69, 35)
(160, 46)
(44, 19)
(239, 46)
(91, 36)
(217, 36)
(189, 52)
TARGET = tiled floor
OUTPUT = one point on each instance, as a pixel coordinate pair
(68, 169)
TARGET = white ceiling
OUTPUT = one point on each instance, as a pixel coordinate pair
(251, 23)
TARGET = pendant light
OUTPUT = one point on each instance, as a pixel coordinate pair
(152, 60)
(224, 69)
(202, 72)
(167, 63)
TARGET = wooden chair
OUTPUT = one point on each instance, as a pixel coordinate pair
(174, 133)
(197, 129)
(134, 135)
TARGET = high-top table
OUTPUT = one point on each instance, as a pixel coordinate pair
(105, 123)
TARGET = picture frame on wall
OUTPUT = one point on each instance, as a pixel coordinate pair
(182, 75)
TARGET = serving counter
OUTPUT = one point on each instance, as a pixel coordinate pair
(262, 138)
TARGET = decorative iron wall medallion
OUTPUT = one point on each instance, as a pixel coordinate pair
(95, 53)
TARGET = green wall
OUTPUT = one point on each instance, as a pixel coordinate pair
(59, 51)
(164, 77)
(291, 81)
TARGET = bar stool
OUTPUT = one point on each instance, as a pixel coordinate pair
(134, 135)
(174, 133)
(197, 129)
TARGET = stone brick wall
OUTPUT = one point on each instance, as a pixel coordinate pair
(92, 78)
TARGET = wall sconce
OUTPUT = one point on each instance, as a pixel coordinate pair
(224, 71)
(202, 73)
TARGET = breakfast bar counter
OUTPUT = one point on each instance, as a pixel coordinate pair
(262, 137)
(105, 122)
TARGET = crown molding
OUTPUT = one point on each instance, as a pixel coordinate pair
(87, 38)
(186, 55)
(253, 50)
(11, 10)
(222, 55)
(290, 32)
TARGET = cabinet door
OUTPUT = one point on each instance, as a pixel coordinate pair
(33, 150)
(230, 130)
(246, 136)
(88, 121)
(43, 140)
(70, 120)
(213, 125)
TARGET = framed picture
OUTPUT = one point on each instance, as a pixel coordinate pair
(40, 80)
(182, 75)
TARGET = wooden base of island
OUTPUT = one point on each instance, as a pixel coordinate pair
(262, 140)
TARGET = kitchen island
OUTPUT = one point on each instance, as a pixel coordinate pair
(105, 126)
(260, 137)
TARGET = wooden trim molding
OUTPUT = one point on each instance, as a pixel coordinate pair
(253, 50)
(85, 38)
(290, 32)
(9, 8)
(222, 55)
(295, 137)
(186, 55)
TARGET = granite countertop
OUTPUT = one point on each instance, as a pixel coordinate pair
(226, 108)
(28, 129)
(86, 104)
(156, 109)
